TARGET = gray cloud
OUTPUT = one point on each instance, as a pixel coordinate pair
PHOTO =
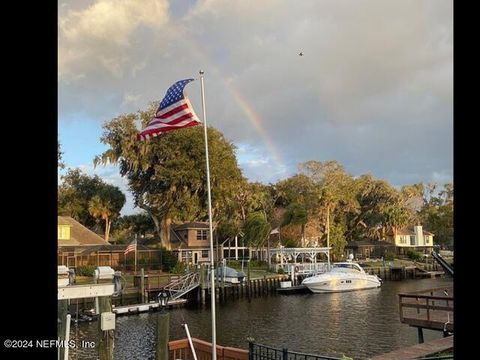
(373, 89)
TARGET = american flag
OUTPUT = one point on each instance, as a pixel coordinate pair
(175, 112)
(131, 247)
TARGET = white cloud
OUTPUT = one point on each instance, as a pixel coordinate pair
(374, 89)
(101, 34)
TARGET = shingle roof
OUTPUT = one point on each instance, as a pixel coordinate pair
(79, 234)
(408, 231)
(191, 225)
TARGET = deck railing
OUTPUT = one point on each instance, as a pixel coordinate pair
(180, 349)
(263, 352)
(431, 308)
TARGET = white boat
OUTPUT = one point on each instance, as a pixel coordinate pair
(343, 276)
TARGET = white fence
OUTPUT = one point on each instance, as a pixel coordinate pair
(303, 268)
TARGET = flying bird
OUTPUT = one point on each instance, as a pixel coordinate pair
(301, 53)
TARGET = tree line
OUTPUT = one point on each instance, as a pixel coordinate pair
(167, 179)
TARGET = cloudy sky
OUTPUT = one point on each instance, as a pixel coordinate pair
(373, 90)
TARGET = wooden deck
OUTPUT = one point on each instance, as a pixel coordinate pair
(419, 350)
(138, 308)
(180, 349)
(429, 309)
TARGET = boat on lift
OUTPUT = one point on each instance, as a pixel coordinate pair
(343, 276)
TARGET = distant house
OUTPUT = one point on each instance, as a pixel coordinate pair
(363, 249)
(77, 246)
(411, 238)
(73, 239)
(191, 242)
(72, 233)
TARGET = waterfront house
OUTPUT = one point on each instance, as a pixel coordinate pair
(411, 238)
(79, 246)
(364, 249)
(191, 242)
(73, 239)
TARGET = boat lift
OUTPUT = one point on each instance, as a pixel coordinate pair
(108, 283)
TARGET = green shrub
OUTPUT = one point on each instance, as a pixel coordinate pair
(258, 264)
(169, 260)
(234, 264)
(289, 243)
(85, 270)
(281, 271)
(179, 268)
(413, 255)
(389, 256)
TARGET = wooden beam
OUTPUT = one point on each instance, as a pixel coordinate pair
(85, 291)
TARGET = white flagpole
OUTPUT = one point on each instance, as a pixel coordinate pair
(135, 254)
(212, 264)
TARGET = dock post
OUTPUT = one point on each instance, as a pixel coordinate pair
(163, 326)
(62, 310)
(142, 284)
(223, 281)
(105, 346)
(203, 280)
(420, 335)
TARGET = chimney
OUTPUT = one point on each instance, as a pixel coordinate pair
(419, 235)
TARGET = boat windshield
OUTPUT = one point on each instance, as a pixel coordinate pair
(347, 266)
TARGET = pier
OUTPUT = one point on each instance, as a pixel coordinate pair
(419, 350)
(428, 309)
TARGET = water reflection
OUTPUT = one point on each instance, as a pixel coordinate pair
(359, 324)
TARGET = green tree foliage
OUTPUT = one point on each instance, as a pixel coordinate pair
(256, 229)
(60, 163)
(296, 214)
(106, 205)
(437, 214)
(89, 199)
(337, 240)
(136, 224)
(167, 175)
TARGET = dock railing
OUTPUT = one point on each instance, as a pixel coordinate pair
(429, 309)
(263, 352)
(180, 349)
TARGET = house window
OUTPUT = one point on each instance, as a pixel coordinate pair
(427, 239)
(204, 253)
(403, 239)
(412, 240)
(63, 232)
(201, 234)
(186, 257)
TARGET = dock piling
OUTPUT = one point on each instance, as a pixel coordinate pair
(163, 326)
(62, 310)
(105, 346)
(142, 285)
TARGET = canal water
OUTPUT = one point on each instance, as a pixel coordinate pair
(358, 324)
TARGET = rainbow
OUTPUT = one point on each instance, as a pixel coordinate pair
(252, 116)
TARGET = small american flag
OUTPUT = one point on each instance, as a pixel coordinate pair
(175, 112)
(131, 247)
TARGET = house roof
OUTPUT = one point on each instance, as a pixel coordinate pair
(367, 242)
(191, 225)
(408, 230)
(79, 234)
(86, 250)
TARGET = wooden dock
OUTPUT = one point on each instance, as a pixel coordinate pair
(419, 350)
(138, 308)
(300, 289)
(429, 309)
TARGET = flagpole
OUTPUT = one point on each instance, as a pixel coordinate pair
(212, 264)
(135, 254)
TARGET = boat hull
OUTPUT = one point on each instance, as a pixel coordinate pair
(321, 285)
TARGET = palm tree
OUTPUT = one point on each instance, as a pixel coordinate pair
(101, 209)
